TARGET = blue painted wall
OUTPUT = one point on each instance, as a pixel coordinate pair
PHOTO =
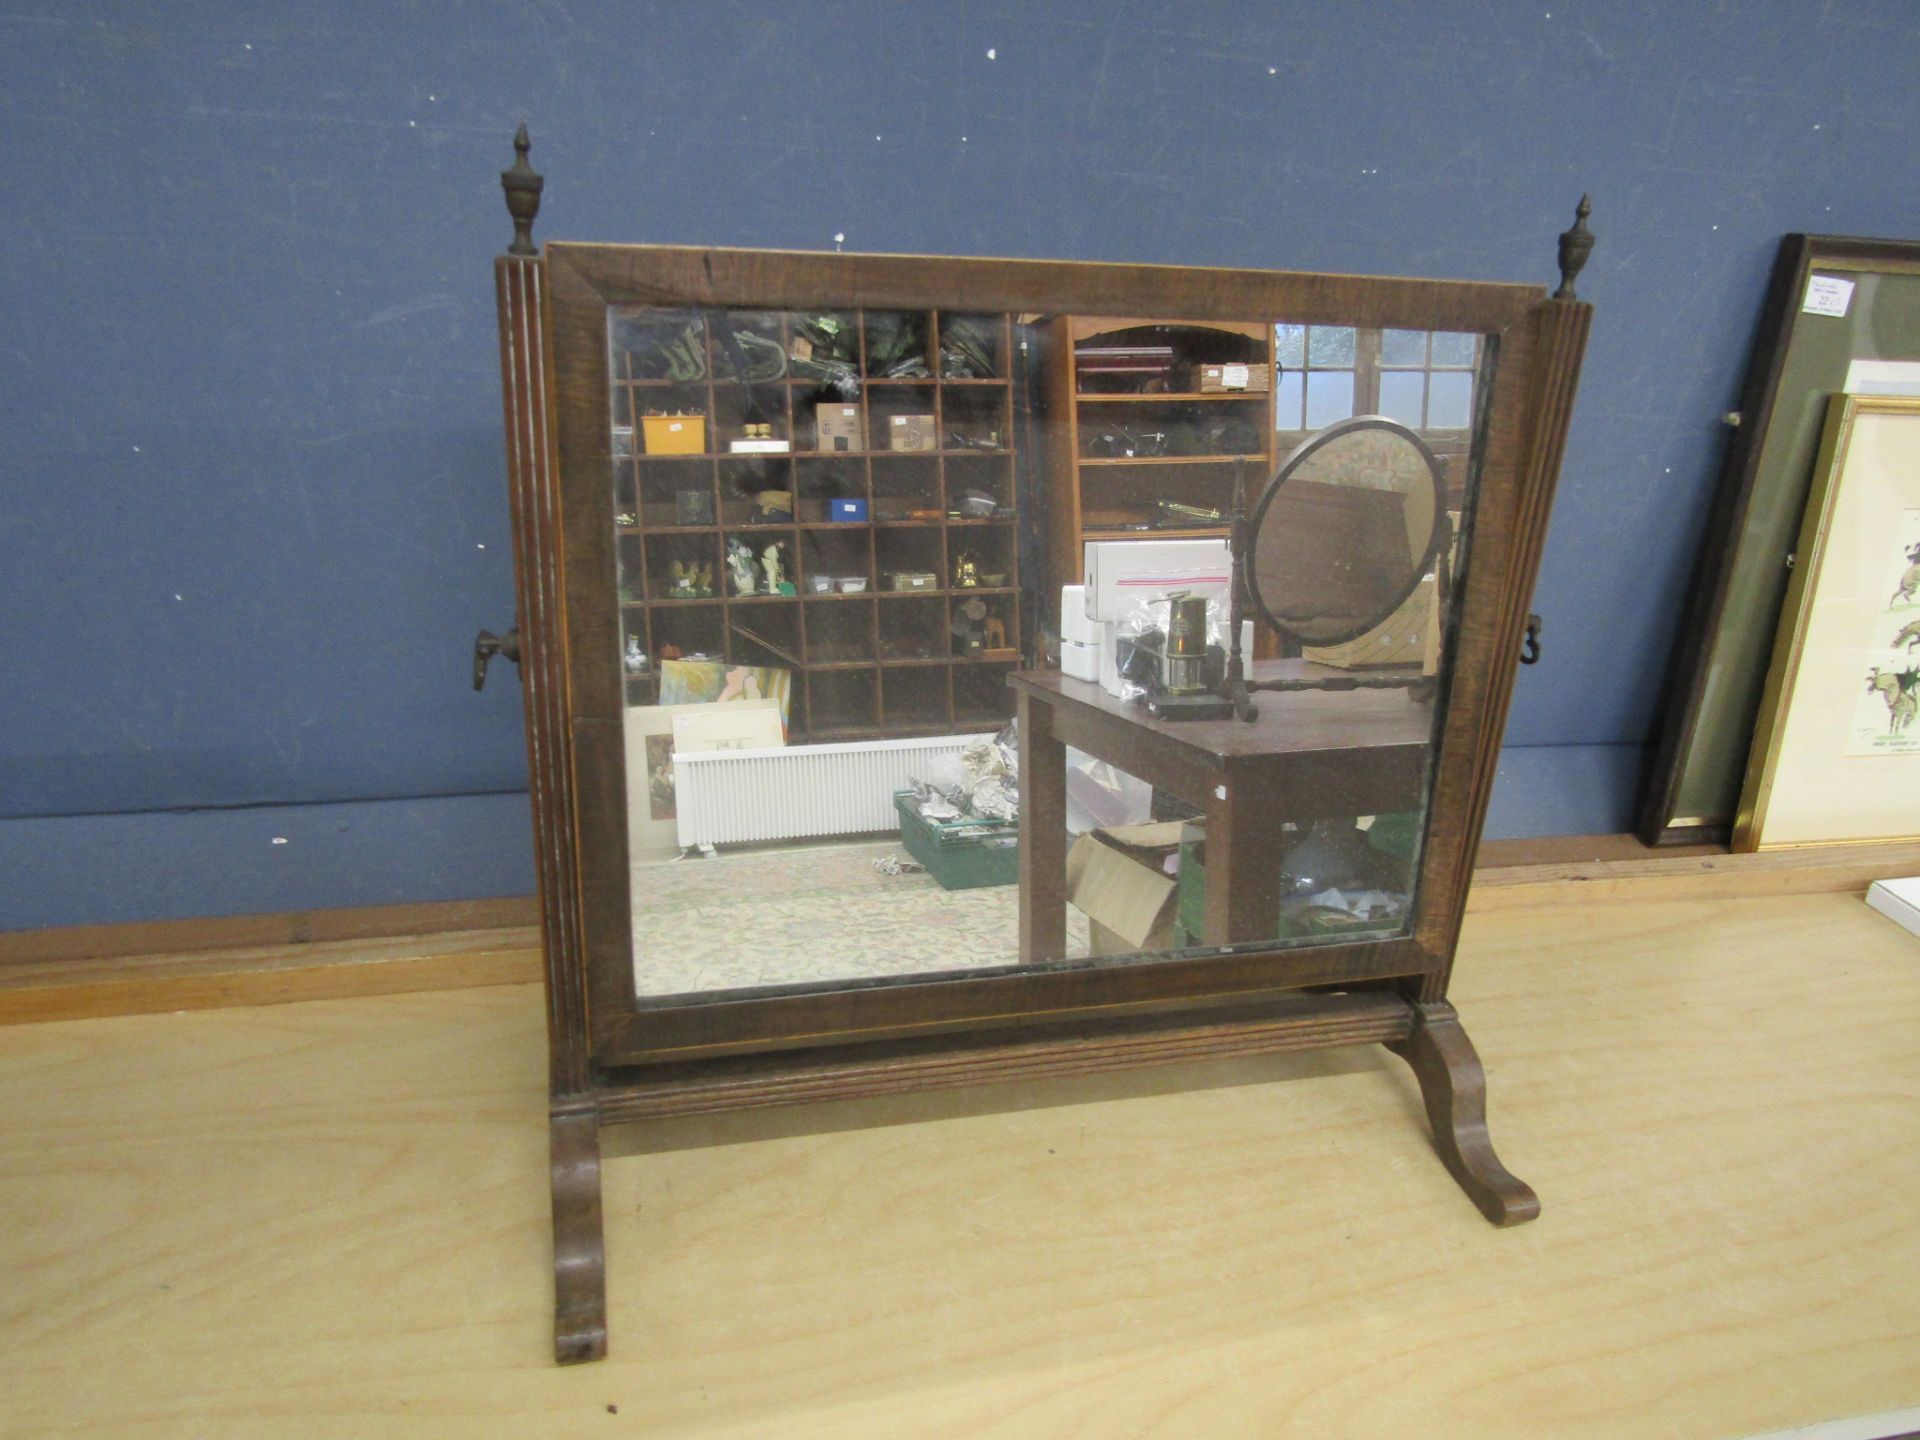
(251, 488)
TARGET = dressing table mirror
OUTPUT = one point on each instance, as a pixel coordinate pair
(1345, 531)
(801, 542)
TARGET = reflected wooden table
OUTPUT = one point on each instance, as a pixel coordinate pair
(1309, 754)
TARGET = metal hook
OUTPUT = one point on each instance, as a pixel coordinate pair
(1530, 647)
(486, 645)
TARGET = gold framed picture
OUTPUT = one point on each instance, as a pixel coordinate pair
(1841, 315)
(1836, 754)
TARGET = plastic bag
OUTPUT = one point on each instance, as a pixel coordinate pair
(1100, 795)
(1140, 638)
(982, 782)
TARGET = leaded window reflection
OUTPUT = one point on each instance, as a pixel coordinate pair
(1422, 378)
(1317, 375)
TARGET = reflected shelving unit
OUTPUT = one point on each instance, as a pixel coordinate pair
(1132, 424)
(869, 660)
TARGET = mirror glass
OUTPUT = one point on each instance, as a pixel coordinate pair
(848, 541)
(1345, 530)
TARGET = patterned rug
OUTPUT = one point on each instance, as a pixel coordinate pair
(804, 914)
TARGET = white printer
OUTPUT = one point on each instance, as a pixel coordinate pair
(1120, 574)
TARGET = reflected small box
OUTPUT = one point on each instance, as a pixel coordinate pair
(847, 511)
(1119, 878)
(839, 427)
(1224, 379)
(912, 433)
(674, 434)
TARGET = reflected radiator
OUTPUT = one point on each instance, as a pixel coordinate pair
(799, 791)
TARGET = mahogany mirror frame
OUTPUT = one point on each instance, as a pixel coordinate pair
(616, 1057)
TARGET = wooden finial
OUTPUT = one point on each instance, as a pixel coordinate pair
(523, 185)
(1575, 245)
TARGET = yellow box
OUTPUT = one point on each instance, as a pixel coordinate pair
(675, 434)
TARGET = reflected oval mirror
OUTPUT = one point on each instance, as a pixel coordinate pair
(1344, 530)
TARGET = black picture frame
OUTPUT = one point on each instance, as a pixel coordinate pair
(1706, 721)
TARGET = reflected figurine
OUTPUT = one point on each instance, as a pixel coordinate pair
(770, 562)
(740, 566)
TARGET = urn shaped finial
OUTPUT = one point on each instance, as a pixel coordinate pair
(1575, 245)
(523, 185)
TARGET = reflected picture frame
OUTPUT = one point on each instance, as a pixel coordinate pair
(653, 827)
(1836, 752)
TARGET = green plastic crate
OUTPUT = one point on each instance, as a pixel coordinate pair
(1191, 910)
(1190, 922)
(960, 854)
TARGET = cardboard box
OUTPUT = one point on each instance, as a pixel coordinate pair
(1409, 636)
(911, 432)
(1120, 572)
(1117, 878)
(839, 427)
(674, 434)
(847, 511)
(1224, 379)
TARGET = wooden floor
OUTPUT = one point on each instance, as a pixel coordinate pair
(328, 1219)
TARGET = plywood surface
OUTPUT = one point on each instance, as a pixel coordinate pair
(329, 1219)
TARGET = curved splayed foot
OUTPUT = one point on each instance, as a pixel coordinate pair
(1455, 1089)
